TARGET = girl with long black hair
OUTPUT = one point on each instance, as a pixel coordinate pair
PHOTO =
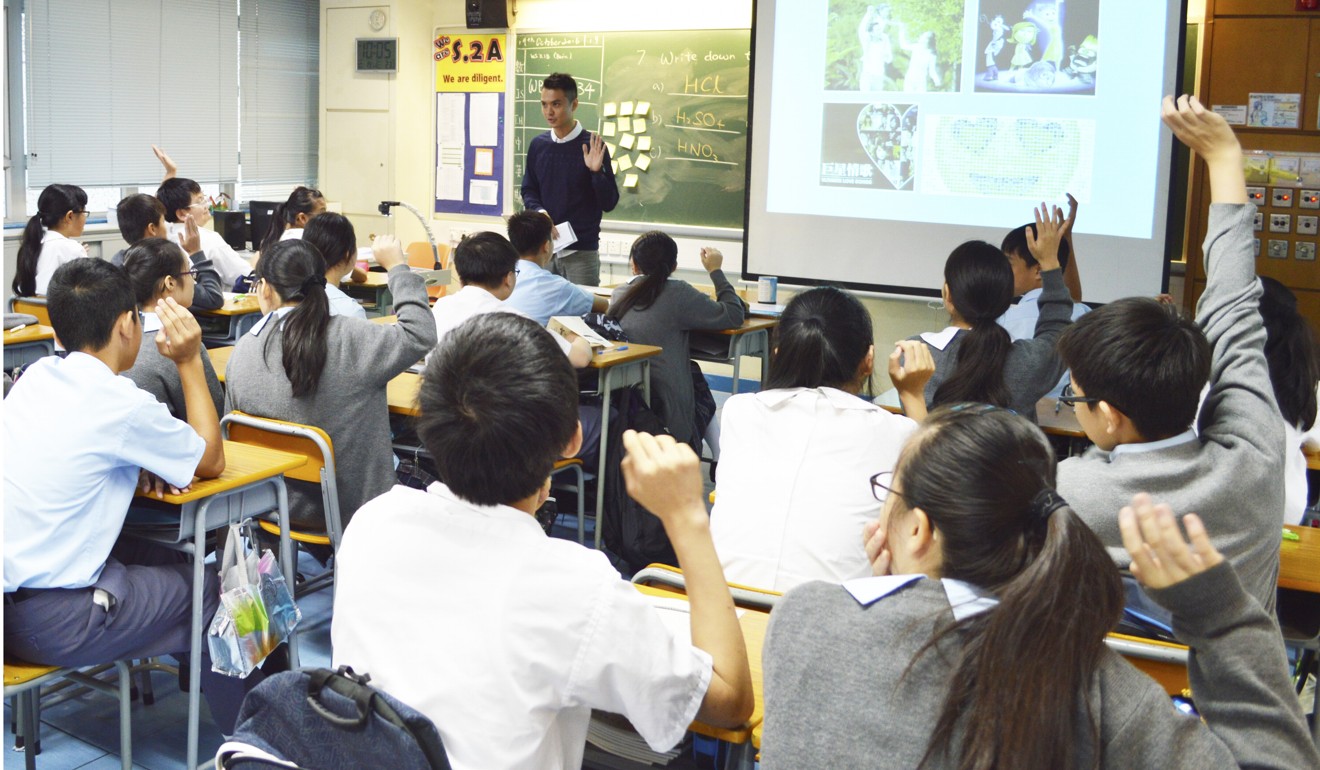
(48, 237)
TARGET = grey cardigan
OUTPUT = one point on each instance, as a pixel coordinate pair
(836, 693)
(1231, 474)
(159, 376)
(349, 403)
(678, 310)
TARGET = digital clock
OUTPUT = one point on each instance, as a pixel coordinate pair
(378, 54)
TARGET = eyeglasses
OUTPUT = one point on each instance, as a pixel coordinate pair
(196, 204)
(194, 272)
(1070, 399)
(883, 482)
(142, 318)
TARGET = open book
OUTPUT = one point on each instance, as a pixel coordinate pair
(569, 325)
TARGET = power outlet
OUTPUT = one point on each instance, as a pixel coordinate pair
(1256, 246)
(1277, 249)
(1258, 223)
(1307, 225)
(1304, 251)
(1281, 198)
(1280, 223)
(1256, 195)
(1309, 199)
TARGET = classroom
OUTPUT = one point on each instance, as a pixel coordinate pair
(809, 352)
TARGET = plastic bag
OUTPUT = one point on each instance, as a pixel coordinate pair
(256, 612)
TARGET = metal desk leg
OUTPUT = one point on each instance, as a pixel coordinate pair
(605, 377)
(646, 380)
(286, 558)
(195, 658)
(735, 353)
(765, 357)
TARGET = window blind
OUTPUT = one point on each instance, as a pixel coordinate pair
(279, 81)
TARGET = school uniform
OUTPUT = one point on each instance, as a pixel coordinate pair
(795, 486)
(1020, 323)
(226, 261)
(452, 310)
(342, 304)
(540, 294)
(55, 251)
(548, 632)
(292, 234)
(159, 376)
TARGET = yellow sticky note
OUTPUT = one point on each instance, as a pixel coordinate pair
(625, 109)
(643, 162)
(611, 109)
(639, 125)
(613, 148)
(643, 144)
(642, 108)
(630, 182)
(607, 129)
(627, 141)
(614, 166)
(625, 162)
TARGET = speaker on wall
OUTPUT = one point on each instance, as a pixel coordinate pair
(487, 13)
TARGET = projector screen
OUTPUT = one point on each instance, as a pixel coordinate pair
(884, 134)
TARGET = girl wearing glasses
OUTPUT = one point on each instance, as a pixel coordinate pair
(158, 268)
(48, 238)
(980, 641)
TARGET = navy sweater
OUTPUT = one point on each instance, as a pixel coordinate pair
(558, 181)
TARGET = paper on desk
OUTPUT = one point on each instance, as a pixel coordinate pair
(676, 614)
(561, 324)
(566, 236)
(484, 122)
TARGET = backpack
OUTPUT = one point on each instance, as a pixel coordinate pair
(635, 536)
(318, 718)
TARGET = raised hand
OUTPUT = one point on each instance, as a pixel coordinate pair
(171, 170)
(593, 153)
(180, 338)
(1044, 243)
(1072, 216)
(1160, 555)
(1205, 132)
(191, 238)
(911, 365)
(386, 250)
(712, 259)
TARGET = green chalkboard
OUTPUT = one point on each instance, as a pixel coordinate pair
(695, 82)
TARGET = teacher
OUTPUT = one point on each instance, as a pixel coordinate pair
(570, 184)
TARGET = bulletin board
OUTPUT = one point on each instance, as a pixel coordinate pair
(470, 83)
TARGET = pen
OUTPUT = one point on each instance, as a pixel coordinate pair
(17, 328)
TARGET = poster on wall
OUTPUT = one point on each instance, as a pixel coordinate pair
(470, 74)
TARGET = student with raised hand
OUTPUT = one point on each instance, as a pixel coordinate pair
(292, 216)
(302, 364)
(655, 309)
(142, 216)
(48, 237)
(1137, 371)
(183, 198)
(158, 269)
(1294, 362)
(539, 293)
(548, 630)
(333, 236)
(975, 359)
(979, 643)
(795, 457)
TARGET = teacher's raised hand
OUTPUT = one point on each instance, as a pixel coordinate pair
(594, 153)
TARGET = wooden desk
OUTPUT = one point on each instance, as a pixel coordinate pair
(1062, 422)
(28, 344)
(1164, 662)
(1312, 459)
(1299, 560)
(401, 392)
(224, 325)
(252, 484)
(375, 289)
(750, 339)
(34, 306)
(220, 360)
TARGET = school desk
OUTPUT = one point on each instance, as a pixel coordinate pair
(226, 324)
(376, 290)
(750, 339)
(28, 344)
(1312, 459)
(252, 484)
(220, 359)
(1299, 560)
(35, 306)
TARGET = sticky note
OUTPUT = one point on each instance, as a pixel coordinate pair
(607, 129)
(643, 162)
(642, 108)
(639, 125)
(611, 109)
(613, 148)
(627, 141)
(625, 109)
(625, 162)
(643, 144)
(630, 182)
(614, 166)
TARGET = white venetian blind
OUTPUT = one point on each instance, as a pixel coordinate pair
(106, 80)
(279, 81)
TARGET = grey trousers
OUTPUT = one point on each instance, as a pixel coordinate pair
(580, 267)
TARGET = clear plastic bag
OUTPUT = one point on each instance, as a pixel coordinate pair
(256, 612)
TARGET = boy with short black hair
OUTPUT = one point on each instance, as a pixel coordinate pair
(142, 216)
(182, 197)
(1137, 372)
(540, 293)
(532, 632)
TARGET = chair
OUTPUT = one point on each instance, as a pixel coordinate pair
(32, 306)
(315, 445)
(573, 465)
(420, 255)
(1164, 662)
(746, 597)
(23, 683)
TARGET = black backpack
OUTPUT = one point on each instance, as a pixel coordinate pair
(634, 535)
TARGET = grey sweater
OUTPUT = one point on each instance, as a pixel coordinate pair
(1033, 367)
(678, 310)
(208, 294)
(349, 403)
(159, 376)
(836, 694)
(1232, 473)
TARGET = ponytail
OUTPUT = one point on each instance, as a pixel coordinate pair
(295, 271)
(656, 257)
(1290, 351)
(980, 288)
(302, 200)
(55, 201)
(822, 340)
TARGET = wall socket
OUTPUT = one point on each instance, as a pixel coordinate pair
(1256, 195)
(1307, 225)
(1309, 199)
(1277, 249)
(1280, 223)
(1281, 198)
(1258, 223)
(1304, 251)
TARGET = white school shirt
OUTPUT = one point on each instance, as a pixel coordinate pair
(452, 310)
(503, 637)
(55, 251)
(1020, 321)
(292, 234)
(76, 435)
(342, 304)
(226, 261)
(794, 487)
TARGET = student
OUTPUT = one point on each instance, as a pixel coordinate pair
(158, 269)
(291, 216)
(48, 238)
(487, 267)
(301, 364)
(795, 457)
(975, 360)
(1137, 372)
(76, 593)
(142, 216)
(182, 197)
(548, 631)
(1294, 366)
(981, 640)
(655, 309)
(539, 293)
(333, 236)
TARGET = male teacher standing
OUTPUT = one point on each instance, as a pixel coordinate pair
(569, 178)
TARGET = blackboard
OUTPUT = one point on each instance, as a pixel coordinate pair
(696, 84)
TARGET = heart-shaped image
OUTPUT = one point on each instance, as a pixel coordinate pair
(888, 134)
